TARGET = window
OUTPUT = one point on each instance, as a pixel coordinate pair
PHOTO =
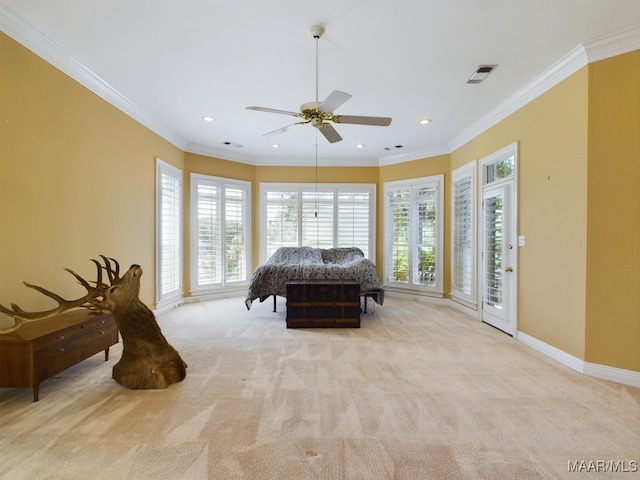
(502, 168)
(493, 206)
(323, 216)
(356, 220)
(463, 235)
(168, 233)
(413, 218)
(220, 233)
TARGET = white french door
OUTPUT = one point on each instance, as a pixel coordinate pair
(498, 279)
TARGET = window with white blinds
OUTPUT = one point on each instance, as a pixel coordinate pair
(281, 219)
(220, 232)
(354, 219)
(318, 219)
(413, 232)
(169, 233)
(493, 205)
(323, 216)
(463, 234)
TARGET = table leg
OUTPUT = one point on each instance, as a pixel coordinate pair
(36, 392)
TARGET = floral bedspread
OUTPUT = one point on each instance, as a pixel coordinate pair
(299, 263)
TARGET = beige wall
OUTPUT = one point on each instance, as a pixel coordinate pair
(77, 179)
(552, 135)
(613, 234)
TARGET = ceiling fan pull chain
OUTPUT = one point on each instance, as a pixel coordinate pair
(316, 212)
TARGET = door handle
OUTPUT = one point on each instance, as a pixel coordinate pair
(508, 269)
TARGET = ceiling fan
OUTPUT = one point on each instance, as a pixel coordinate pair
(319, 114)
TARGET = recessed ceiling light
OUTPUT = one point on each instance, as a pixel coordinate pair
(360, 145)
(208, 118)
(425, 121)
(276, 145)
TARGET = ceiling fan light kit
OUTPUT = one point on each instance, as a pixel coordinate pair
(320, 114)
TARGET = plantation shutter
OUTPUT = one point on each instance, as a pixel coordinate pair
(281, 220)
(235, 210)
(425, 241)
(463, 242)
(399, 205)
(353, 220)
(321, 216)
(169, 232)
(220, 232)
(493, 251)
(318, 219)
(209, 228)
(413, 233)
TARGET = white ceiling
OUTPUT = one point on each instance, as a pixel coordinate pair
(168, 63)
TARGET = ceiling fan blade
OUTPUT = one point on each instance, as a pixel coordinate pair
(333, 101)
(276, 132)
(283, 129)
(273, 110)
(329, 133)
(360, 120)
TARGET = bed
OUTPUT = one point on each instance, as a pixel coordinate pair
(306, 263)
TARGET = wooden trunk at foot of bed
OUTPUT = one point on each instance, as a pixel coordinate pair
(323, 304)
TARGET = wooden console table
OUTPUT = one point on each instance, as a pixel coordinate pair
(43, 348)
(323, 303)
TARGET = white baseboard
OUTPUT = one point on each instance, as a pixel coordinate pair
(195, 298)
(167, 307)
(418, 297)
(618, 375)
(461, 307)
(604, 372)
(552, 352)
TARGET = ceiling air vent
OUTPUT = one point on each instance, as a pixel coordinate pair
(395, 146)
(481, 73)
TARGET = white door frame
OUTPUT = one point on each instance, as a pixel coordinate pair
(507, 320)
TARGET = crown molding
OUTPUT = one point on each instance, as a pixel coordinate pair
(311, 162)
(414, 155)
(618, 43)
(209, 151)
(277, 161)
(27, 35)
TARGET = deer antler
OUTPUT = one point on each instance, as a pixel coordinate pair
(114, 275)
(22, 317)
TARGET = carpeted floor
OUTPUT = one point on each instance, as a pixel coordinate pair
(420, 391)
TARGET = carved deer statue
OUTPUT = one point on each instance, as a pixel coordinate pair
(148, 360)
